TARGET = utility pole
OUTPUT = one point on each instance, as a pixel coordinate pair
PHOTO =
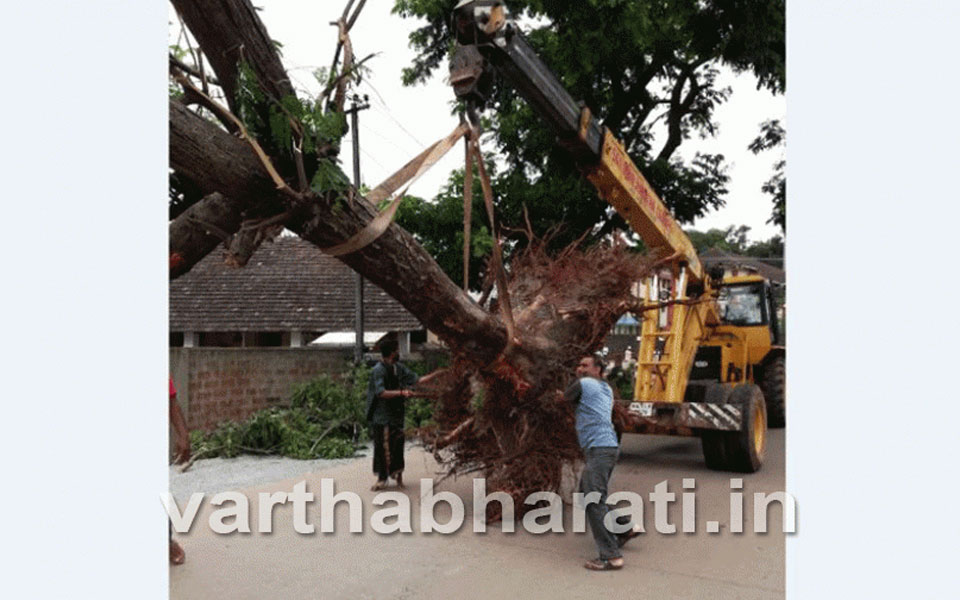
(356, 105)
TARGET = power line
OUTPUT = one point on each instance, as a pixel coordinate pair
(371, 157)
(386, 110)
(390, 141)
(375, 92)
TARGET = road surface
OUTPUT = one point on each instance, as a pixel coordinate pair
(285, 564)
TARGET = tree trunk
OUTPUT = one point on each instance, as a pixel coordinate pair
(218, 162)
(229, 31)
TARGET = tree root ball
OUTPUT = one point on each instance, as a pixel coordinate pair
(507, 420)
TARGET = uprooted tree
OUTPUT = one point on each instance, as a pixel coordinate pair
(268, 160)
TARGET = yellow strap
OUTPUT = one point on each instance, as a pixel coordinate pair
(467, 212)
(503, 296)
(409, 172)
(223, 113)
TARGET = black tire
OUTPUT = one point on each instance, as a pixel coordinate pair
(714, 450)
(775, 392)
(745, 449)
(714, 443)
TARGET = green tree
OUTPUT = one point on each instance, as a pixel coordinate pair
(706, 240)
(772, 248)
(638, 65)
(732, 239)
(772, 135)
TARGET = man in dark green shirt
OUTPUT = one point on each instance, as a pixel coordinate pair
(386, 396)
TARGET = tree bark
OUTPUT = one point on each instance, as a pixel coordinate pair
(199, 229)
(229, 31)
(218, 162)
(194, 143)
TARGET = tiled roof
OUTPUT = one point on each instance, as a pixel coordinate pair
(715, 256)
(287, 285)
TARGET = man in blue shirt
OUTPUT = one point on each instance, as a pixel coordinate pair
(593, 400)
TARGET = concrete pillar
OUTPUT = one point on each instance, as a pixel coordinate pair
(189, 339)
(404, 338)
(296, 339)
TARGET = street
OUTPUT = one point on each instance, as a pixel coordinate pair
(496, 564)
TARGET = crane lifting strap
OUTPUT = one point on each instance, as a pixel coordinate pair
(387, 191)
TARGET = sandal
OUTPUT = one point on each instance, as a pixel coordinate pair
(602, 564)
(177, 555)
(379, 485)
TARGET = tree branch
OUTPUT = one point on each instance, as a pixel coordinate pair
(347, 73)
(191, 97)
(228, 30)
(680, 108)
(176, 62)
(356, 13)
(199, 229)
(225, 116)
(217, 161)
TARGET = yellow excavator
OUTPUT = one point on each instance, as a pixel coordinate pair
(710, 361)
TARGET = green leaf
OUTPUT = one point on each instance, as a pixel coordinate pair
(328, 176)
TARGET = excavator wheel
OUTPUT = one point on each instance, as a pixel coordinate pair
(745, 448)
(775, 392)
(712, 442)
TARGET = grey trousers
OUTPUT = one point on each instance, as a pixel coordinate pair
(595, 477)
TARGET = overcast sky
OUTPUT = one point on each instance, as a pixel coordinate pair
(402, 121)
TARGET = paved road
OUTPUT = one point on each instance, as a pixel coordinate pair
(285, 564)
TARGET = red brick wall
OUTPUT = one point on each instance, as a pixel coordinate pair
(218, 384)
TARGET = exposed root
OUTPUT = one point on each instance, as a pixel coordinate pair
(507, 420)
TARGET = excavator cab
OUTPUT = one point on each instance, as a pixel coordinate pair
(751, 341)
(750, 303)
(742, 304)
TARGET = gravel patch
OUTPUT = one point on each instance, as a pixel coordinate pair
(213, 475)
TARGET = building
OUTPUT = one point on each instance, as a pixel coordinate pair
(288, 294)
(735, 264)
(241, 337)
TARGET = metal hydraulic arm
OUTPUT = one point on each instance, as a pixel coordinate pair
(488, 41)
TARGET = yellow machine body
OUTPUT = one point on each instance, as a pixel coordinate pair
(675, 323)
